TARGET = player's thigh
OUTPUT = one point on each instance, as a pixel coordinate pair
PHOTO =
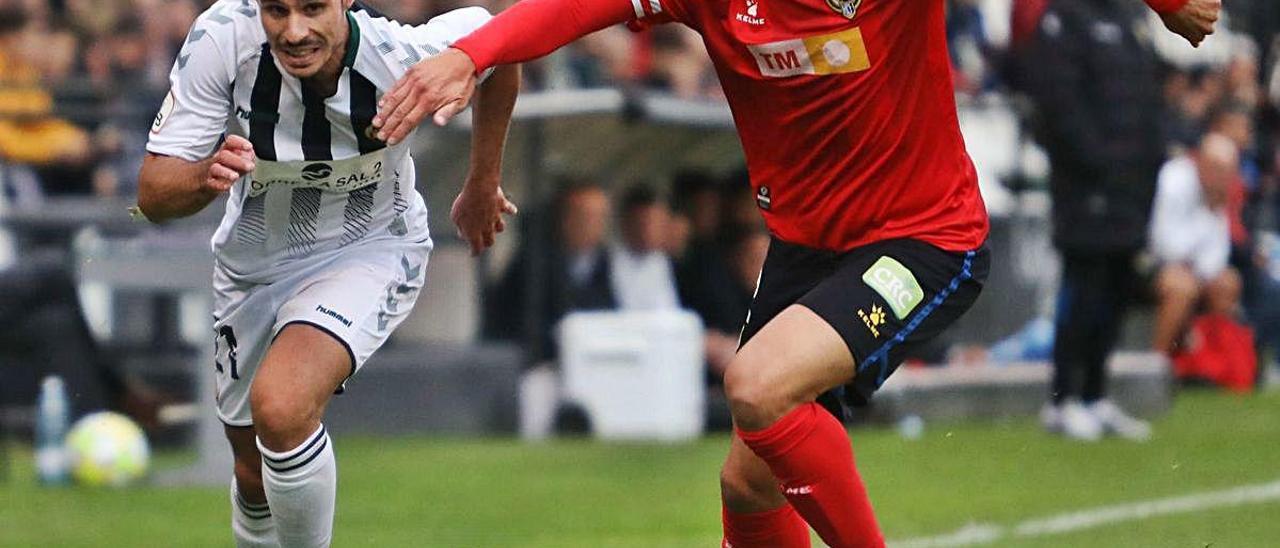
(746, 483)
(303, 367)
(888, 298)
(337, 318)
(795, 357)
(789, 272)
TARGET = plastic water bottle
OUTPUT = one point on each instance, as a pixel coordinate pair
(911, 427)
(51, 431)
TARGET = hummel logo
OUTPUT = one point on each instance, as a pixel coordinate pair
(332, 314)
(802, 490)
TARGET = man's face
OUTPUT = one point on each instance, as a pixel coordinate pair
(644, 227)
(584, 220)
(306, 35)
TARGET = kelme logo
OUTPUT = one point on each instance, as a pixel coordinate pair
(896, 284)
(316, 172)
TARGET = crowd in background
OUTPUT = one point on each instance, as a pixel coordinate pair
(695, 244)
(81, 80)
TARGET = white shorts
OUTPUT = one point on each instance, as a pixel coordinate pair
(359, 296)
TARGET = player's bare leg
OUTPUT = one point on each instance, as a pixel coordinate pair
(795, 358)
(291, 389)
(251, 520)
(771, 386)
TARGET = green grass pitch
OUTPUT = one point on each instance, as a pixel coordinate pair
(460, 493)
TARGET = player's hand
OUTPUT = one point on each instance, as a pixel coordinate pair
(233, 160)
(441, 85)
(1195, 20)
(478, 214)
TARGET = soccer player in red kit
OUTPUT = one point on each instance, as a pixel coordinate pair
(847, 117)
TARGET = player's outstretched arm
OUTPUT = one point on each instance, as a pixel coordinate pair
(1191, 19)
(526, 31)
(478, 210)
(171, 188)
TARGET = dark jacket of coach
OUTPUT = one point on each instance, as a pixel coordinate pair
(1096, 87)
(1095, 83)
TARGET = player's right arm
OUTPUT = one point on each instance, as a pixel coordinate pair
(188, 161)
(171, 188)
(443, 85)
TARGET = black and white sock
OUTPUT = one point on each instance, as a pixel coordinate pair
(302, 486)
(251, 523)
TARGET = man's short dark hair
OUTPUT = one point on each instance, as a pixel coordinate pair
(736, 181)
(638, 196)
(566, 187)
(689, 183)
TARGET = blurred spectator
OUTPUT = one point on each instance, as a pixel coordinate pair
(641, 270)
(680, 63)
(576, 274)
(29, 133)
(1191, 240)
(701, 270)
(1103, 136)
(746, 250)
(409, 12)
(969, 48)
(739, 205)
(46, 334)
(1024, 20)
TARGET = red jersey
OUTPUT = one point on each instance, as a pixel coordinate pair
(847, 116)
(845, 108)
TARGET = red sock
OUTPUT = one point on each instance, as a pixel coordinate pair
(809, 452)
(780, 528)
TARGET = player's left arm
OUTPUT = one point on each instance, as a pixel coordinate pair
(478, 211)
(1192, 19)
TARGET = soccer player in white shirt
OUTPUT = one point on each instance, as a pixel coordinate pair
(321, 252)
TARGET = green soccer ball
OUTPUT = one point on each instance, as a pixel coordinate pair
(107, 449)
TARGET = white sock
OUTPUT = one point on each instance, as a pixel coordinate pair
(251, 523)
(302, 487)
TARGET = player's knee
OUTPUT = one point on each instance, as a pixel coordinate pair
(282, 423)
(754, 399)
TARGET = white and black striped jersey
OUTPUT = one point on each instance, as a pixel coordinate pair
(322, 181)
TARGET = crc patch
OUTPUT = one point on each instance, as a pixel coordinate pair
(896, 284)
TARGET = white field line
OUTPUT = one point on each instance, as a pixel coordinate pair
(985, 533)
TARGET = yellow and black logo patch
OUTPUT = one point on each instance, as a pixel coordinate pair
(873, 320)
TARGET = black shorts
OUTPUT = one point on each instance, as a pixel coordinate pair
(883, 299)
